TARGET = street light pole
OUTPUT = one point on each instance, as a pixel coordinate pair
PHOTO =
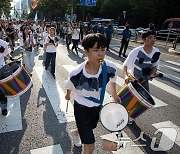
(72, 9)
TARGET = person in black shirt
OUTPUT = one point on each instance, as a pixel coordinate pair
(11, 36)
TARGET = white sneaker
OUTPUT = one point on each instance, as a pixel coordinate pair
(130, 121)
(76, 139)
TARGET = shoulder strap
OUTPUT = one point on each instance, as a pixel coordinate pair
(104, 72)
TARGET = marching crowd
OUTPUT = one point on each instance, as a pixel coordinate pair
(88, 81)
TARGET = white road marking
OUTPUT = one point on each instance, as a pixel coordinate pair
(172, 62)
(169, 124)
(128, 149)
(170, 68)
(56, 96)
(13, 121)
(54, 149)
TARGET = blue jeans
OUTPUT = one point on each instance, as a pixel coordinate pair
(50, 58)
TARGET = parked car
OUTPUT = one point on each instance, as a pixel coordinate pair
(119, 30)
(163, 34)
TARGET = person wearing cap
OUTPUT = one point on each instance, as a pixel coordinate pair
(142, 62)
(125, 40)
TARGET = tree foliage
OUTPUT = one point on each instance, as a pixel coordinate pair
(138, 12)
(6, 6)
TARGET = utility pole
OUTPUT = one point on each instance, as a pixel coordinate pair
(72, 9)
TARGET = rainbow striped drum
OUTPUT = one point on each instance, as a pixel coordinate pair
(14, 79)
(135, 98)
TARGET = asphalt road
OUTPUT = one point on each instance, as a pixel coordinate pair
(38, 124)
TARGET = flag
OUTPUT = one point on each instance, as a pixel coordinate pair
(35, 18)
(34, 5)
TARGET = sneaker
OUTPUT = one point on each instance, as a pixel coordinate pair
(130, 121)
(4, 112)
(76, 139)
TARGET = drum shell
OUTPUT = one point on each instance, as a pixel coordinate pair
(17, 83)
(132, 101)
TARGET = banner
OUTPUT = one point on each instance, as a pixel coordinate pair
(87, 2)
(34, 5)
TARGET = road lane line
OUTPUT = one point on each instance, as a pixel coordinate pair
(13, 121)
(56, 96)
(169, 124)
(54, 149)
(129, 148)
(172, 62)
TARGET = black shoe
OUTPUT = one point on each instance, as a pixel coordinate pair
(119, 55)
(4, 112)
(46, 68)
(53, 74)
(124, 56)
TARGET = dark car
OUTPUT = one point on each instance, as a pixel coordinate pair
(163, 34)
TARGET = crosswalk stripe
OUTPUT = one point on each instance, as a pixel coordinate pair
(170, 68)
(159, 84)
(56, 96)
(172, 62)
(169, 124)
(13, 121)
(128, 149)
(54, 149)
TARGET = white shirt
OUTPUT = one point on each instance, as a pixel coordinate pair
(22, 43)
(5, 53)
(50, 48)
(75, 34)
(132, 61)
(83, 84)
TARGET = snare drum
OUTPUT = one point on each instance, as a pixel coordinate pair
(14, 79)
(135, 98)
(114, 117)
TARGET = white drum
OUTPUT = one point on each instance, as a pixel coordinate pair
(114, 117)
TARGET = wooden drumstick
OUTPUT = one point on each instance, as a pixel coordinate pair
(67, 105)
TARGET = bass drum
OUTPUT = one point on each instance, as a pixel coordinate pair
(14, 79)
(113, 117)
(135, 98)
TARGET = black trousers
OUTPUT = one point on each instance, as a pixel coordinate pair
(51, 58)
(3, 100)
(75, 45)
(124, 44)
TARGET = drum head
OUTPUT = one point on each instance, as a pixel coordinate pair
(143, 93)
(114, 117)
(9, 69)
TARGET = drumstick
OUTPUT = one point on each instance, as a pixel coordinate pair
(160, 75)
(67, 105)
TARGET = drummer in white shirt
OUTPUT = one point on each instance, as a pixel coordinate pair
(3, 53)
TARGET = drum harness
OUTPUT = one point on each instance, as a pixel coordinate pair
(104, 73)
